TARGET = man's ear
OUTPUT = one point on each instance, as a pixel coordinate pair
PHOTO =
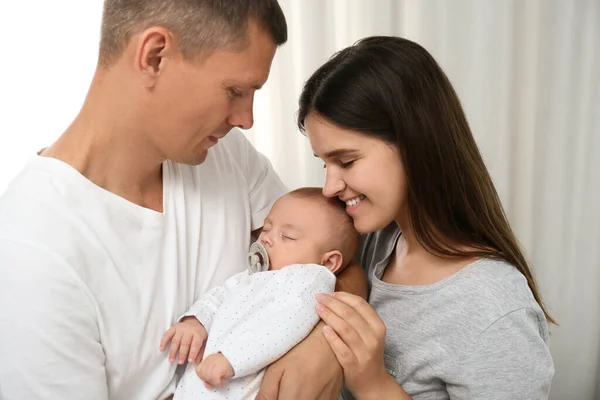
(150, 57)
(332, 260)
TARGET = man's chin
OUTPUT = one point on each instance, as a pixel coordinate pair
(200, 158)
(193, 159)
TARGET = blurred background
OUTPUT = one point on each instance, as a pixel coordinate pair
(527, 73)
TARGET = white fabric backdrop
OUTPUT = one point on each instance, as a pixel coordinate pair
(527, 72)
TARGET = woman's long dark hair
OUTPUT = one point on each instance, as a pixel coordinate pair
(392, 89)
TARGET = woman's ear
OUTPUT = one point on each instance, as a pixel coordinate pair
(332, 260)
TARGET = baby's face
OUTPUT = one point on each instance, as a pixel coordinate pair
(295, 232)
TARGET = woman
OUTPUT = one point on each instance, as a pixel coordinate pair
(453, 311)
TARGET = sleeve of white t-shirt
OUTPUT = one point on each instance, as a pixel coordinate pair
(264, 184)
(49, 340)
(284, 317)
(206, 307)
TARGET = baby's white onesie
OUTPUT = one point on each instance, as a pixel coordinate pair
(253, 320)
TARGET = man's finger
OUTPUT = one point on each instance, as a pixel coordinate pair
(269, 388)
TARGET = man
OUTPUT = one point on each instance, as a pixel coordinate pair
(110, 234)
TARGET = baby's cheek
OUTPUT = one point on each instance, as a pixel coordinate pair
(285, 255)
(277, 258)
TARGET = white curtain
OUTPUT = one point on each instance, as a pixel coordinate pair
(527, 72)
(528, 75)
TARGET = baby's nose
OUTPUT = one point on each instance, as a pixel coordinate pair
(265, 239)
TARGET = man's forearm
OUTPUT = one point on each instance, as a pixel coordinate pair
(353, 280)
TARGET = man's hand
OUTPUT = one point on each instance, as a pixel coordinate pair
(309, 371)
(187, 338)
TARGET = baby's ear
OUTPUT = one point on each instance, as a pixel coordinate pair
(332, 260)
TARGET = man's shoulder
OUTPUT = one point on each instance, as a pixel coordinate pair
(28, 197)
(38, 212)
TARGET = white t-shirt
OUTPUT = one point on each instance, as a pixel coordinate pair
(253, 320)
(89, 281)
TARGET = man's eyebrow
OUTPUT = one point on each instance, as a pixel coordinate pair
(338, 153)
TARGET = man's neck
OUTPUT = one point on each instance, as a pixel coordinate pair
(109, 152)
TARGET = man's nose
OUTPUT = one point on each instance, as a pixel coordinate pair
(242, 115)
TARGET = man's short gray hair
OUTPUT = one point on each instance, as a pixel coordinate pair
(197, 25)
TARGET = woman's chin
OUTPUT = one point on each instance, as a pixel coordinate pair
(365, 225)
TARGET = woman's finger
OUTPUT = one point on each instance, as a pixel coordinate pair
(362, 307)
(347, 314)
(342, 352)
(342, 327)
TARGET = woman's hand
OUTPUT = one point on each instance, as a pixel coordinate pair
(356, 335)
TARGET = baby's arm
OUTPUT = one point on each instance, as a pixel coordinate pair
(284, 317)
(207, 306)
(188, 336)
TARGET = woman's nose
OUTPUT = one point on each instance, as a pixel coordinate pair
(334, 185)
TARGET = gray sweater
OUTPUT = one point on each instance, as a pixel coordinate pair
(478, 334)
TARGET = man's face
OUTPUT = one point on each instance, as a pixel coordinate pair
(195, 103)
(296, 231)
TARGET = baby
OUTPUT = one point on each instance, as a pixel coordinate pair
(256, 317)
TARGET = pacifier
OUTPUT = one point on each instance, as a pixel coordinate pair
(258, 258)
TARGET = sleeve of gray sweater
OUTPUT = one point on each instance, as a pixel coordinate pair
(509, 360)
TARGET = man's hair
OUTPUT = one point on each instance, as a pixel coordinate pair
(197, 25)
(344, 236)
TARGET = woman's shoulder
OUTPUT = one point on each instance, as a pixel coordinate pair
(494, 285)
(486, 294)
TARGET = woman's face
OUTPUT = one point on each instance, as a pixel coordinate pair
(364, 172)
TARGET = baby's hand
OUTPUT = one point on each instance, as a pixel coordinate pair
(187, 336)
(215, 370)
